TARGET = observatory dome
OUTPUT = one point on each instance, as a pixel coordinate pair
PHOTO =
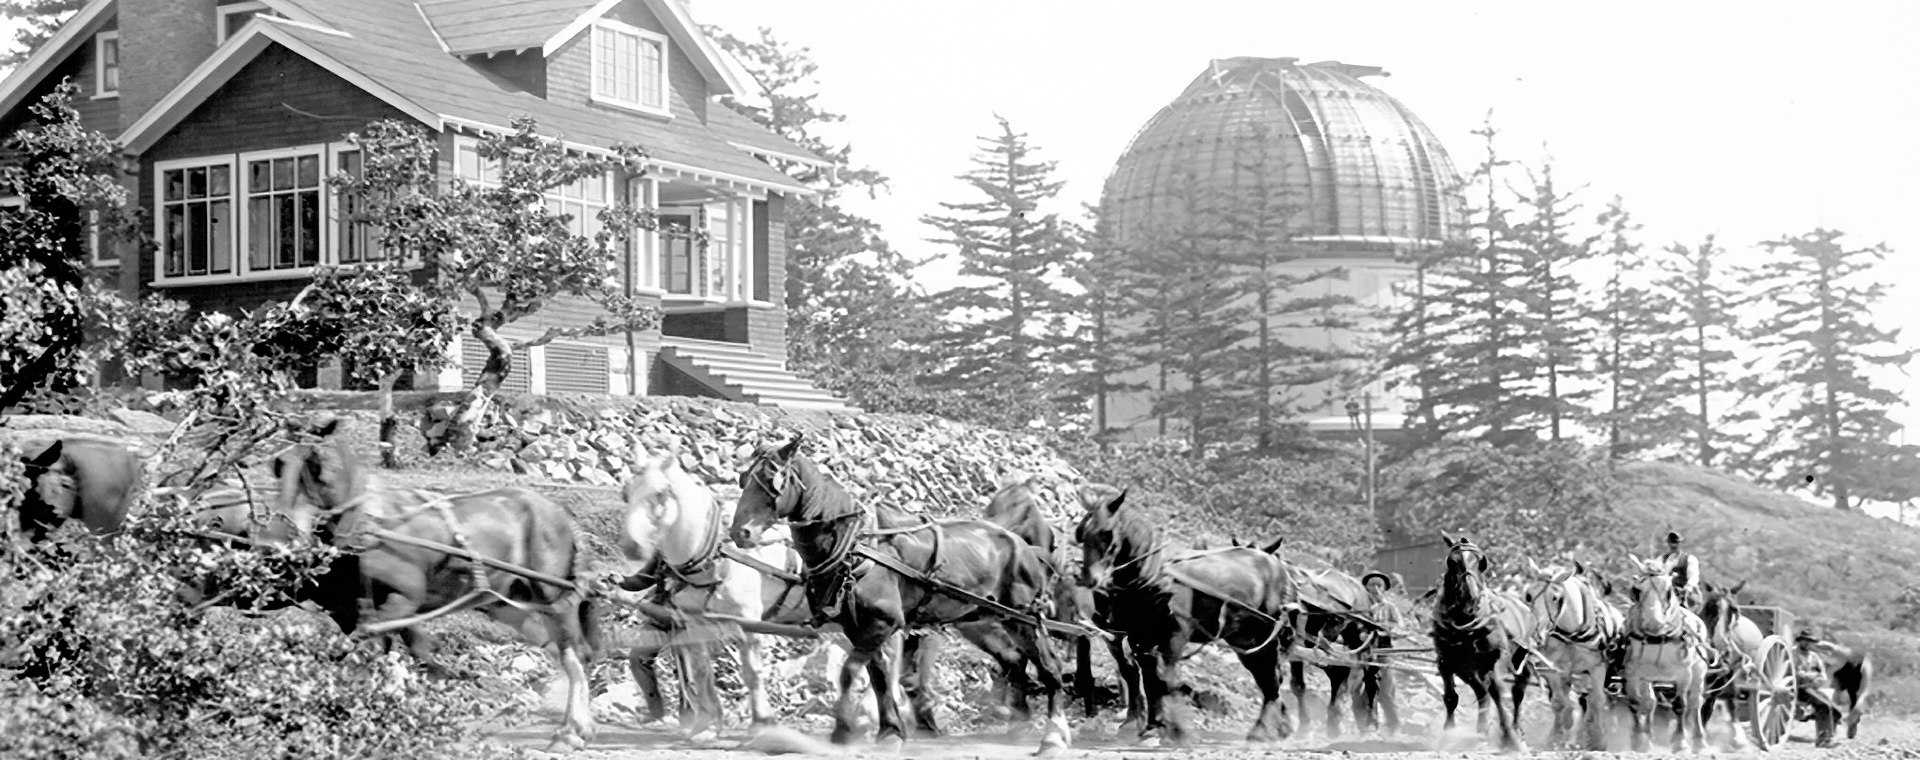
(1369, 178)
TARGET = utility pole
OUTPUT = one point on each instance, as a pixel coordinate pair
(1367, 402)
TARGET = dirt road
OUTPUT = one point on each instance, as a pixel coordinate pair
(1879, 738)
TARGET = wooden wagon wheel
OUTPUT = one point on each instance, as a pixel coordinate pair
(1775, 693)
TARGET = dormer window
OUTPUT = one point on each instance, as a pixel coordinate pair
(234, 17)
(106, 64)
(629, 67)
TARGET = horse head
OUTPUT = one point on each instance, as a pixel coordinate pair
(319, 477)
(1103, 533)
(660, 496)
(1655, 601)
(770, 491)
(1720, 610)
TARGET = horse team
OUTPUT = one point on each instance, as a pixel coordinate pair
(798, 549)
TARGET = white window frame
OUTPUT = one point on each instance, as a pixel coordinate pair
(243, 194)
(100, 41)
(160, 169)
(644, 192)
(100, 254)
(220, 34)
(664, 83)
(331, 256)
(730, 252)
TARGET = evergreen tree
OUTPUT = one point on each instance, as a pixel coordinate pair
(1547, 316)
(1258, 239)
(852, 308)
(1637, 354)
(1692, 285)
(1002, 330)
(1819, 348)
(1090, 350)
(39, 19)
(1459, 339)
(1198, 321)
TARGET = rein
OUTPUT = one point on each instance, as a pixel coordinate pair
(1484, 614)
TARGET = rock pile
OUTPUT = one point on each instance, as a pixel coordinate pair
(918, 463)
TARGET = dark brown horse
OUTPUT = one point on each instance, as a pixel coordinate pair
(871, 601)
(1163, 602)
(1016, 507)
(1483, 637)
(324, 492)
(1331, 603)
(83, 479)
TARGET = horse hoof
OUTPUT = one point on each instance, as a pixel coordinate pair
(890, 743)
(564, 742)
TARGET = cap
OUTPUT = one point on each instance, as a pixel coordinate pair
(1673, 538)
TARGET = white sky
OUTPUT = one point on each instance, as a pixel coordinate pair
(1750, 120)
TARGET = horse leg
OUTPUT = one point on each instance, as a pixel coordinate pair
(998, 643)
(880, 673)
(1131, 686)
(1336, 686)
(1449, 696)
(1037, 648)
(1083, 674)
(757, 703)
(1264, 664)
(1297, 683)
(1640, 701)
(1560, 703)
(701, 705)
(560, 627)
(1594, 715)
(918, 655)
(1522, 672)
(1693, 697)
(1166, 668)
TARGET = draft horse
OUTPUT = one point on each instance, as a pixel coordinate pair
(1483, 637)
(1160, 603)
(84, 479)
(1330, 601)
(327, 494)
(1582, 630)
(1666, 643)
(872, 592)
(674, 528)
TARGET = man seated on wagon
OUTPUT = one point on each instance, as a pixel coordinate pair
(1810, 674)
(1686, 572)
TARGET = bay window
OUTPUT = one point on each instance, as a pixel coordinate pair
(721, 270)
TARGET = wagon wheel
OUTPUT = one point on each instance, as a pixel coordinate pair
(1775, 693)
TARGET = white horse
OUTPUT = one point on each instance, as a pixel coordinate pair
(674, 528)
(1666, 643)
(1581, 629)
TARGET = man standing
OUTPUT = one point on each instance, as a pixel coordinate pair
(1376, 681)
(1686, 572)
(1810, 675)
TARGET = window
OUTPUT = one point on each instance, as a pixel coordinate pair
(584, 199)
(234, 17)
(102, 251)
(629, 67)
(717, 271)
(263, 214)
(196, 218)
(106, 64)
(283, 212)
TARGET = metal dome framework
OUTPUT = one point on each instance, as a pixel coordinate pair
(1368, 176)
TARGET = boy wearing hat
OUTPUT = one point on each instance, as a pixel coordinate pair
(1377, 680)
(1686, 572)
(1810, 674)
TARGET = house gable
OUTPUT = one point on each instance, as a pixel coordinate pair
(70, 53)
(570, 69)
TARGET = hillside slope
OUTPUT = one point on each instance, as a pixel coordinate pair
(1844, 570)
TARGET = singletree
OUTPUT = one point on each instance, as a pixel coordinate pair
(1819, 353)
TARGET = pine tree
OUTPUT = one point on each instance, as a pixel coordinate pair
(1548, 315)
(1258, 238)
(1693, 284)
(1090, 351)
(1458, 340)
(1637, 355)
(852, 307)
(1198, 322)
(1001, 331)
(1818, 350)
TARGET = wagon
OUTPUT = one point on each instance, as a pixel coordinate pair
(1766, 687)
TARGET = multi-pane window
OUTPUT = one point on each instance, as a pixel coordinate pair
(629, 66)
(720, 247)
(678, 255)
(106, 58)
(716, 270)
(355, 240)
(283, 212)
(584, 200)
(196, 220)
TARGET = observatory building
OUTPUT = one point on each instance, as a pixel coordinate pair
(1368, 183)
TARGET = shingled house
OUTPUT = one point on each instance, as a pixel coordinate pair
(231, 113)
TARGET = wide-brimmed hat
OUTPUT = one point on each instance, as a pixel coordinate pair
(1385, 579)
(1674, 538)
(1807, 633)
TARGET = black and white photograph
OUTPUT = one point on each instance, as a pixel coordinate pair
(663, 379)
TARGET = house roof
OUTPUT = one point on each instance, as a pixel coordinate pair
(749, 135)
(388, 49)
(68, 38)
(469, 27)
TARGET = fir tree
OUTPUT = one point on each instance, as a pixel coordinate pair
(1637, 356)
(1547, 316)
(852, 307)
(1819, 349)
(1692, 284)
(1258, 238)
(1003, 329)
(1090, 352)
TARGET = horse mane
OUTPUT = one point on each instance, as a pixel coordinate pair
(821, 488)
